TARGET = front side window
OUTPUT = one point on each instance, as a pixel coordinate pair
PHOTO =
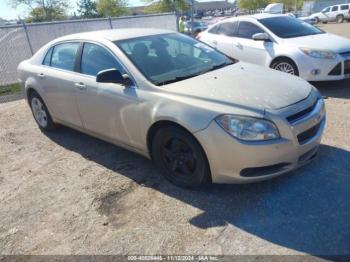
(326, 10)
(334, 8)
(96, 58)
(64, 55)
(289, 27)
(344, 7)
(247, 30)
(168, 58)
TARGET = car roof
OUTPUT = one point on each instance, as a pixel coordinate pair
(255, 16)
(115, 34)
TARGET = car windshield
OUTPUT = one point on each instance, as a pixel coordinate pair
(168, 58)
(289, 27)
(199, 24)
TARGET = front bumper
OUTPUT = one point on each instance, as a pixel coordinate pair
(233, 161)
(307, 66)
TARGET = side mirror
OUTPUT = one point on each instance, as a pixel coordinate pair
(261, 37)
(113, 76)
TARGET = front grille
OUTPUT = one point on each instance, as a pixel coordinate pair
(308, 134)
(347, 67)
(264, 170)
(336, 70)
(301, 114)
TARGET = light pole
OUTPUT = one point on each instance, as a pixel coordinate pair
(192, 13)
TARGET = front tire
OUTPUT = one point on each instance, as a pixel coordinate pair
(317, 20)
(285, 65)
(179, 157)
(40, 113)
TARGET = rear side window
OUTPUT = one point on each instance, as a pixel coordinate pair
(214, 29)
(64, 55)
(344, 7)
(227, 29)
(96, 58)
(334, 8)
(247, 30)
(47, 59)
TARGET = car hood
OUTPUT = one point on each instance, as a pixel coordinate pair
(327, 41)
(250, 86)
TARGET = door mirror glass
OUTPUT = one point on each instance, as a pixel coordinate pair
(113, 76)
(261, 37)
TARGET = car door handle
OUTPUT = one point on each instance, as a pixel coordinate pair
(239, 45)
(41, 75)
(80, 85)
(215, 43)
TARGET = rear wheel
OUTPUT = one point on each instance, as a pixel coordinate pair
(40, 112)
(179, 157)
(285, 65)
(340, 18)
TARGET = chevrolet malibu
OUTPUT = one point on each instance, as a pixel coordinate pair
(200, 115)
(283, 43)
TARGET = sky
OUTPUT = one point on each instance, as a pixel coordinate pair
(8, 12)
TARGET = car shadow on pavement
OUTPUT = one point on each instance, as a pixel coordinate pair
(335, 89)
(307, 211)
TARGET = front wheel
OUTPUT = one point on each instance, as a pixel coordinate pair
(285, 65)
(40, 112)
(179, 157)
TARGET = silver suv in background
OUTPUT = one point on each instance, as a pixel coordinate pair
(334, 13)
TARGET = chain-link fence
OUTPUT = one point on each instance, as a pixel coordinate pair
(19, 42)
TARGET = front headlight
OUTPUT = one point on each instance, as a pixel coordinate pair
(248, 128)
(316, 53)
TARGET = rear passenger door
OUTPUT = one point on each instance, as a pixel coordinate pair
(333, 14)
(58, 77)
(226, 41)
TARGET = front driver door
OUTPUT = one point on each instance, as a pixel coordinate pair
(106, 109)
(250, 50)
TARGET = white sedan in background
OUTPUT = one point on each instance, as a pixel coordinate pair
(283, 43)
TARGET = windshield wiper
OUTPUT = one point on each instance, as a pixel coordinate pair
(180, 78)
(176, 79)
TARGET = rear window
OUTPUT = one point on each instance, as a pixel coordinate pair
(63, 56)
(344, 7)
(334, 8)
(47, 59)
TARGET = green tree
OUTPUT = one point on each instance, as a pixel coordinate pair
(87, 8)
(112, 8)
(162, 6)
(39, 14)
(252, 4)
(43, 10)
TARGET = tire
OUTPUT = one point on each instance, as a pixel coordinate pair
(285, 65)
(324, 22)
(40, 112)
(340, 19)
(317, 20)
(179, 157)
